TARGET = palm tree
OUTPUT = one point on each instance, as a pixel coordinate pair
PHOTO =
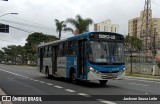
(81, 25)
(133, 44)
(61, 26)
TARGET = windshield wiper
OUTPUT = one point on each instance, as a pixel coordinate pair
(102, 45)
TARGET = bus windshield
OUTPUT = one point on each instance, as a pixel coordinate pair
(108, 52)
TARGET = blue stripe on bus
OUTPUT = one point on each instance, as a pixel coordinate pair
(70, 64)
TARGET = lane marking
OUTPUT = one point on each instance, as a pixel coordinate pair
(14, 73)
(50, 84)
(69, 90)
(83, 94)
(25, 77)
(56, 86)
(31, 79)
(157, 82)
(36, 80)
(138, 84)
(106, 102)
(143, 80)
(42, 82)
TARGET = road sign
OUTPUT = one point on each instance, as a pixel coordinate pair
(4, 28)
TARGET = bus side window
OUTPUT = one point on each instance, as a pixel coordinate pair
(65, 49)
(49, 51)
(74, 47)
(61, 50)
(46, 51)
(69, 48)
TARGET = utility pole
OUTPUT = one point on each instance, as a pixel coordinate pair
(146, 31)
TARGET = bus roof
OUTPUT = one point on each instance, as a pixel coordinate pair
(73, 38)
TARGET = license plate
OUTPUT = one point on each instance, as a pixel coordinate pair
(110, 76)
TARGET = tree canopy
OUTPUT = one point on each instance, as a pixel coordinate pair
(61, 26)
(34, 39)
(132, 43)
(81, 25)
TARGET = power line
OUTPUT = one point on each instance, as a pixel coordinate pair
(28, 25)
(155, 3)
(142, 1)
(32, 23)
(24, 30)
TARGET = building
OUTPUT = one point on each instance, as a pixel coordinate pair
(106, 26)
(136, 27)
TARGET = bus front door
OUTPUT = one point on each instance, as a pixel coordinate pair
(81, 58)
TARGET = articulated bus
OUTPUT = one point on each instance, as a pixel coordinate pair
(88, 56)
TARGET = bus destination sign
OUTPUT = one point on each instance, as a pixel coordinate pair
(107, 36)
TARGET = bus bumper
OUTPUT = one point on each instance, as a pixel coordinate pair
(104, 76)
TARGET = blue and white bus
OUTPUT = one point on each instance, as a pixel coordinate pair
(88, 56)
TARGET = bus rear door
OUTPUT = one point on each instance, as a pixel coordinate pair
(81, 58)
(54, 59)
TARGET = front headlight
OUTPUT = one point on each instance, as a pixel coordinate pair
(93, 70)
(90, 68)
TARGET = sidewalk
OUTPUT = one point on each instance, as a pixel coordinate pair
(6, 102)
(143, 77)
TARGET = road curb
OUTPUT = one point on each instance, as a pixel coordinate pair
(151, 79)
(4, 102)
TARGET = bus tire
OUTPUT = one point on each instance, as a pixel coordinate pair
(103, 82)
(73, 77)
(47, 73)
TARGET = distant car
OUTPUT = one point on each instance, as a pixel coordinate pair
(3, 62)
(9, 63)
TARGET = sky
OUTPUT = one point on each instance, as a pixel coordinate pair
(39, 15)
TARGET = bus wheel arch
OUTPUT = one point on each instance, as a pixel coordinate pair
(47, 72)
(72, 76)
(103, 82)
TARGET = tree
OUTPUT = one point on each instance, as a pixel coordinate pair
(1, 55)
(61, 26)
(13, 52)
(81, 25)
(132, 44)
(34, 40)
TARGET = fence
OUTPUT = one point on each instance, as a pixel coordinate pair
(142, 68)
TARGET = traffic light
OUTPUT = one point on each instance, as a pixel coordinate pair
(4, 28)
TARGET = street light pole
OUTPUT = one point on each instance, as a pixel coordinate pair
(5, 28)
(8, 13)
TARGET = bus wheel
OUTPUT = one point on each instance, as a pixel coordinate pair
(47, 73)
(103, 82)
(73, 77)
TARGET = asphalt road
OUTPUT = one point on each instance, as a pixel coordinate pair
(19, 80)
